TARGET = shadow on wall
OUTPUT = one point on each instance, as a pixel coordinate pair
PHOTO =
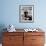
(2, 26)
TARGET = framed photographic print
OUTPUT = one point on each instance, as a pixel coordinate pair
(26, 13)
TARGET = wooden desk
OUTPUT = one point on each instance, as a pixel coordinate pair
(23, 38)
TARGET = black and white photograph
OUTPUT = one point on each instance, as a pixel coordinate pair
(26, 13)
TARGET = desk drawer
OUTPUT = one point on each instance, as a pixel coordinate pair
(13, 33)
(34, 33)
(37, 39)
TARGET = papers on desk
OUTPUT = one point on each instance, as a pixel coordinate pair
(26, 30)
(11, 28)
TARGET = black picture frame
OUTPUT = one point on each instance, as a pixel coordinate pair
(26, 13)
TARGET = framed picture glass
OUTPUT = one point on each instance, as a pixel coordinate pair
(26, 13)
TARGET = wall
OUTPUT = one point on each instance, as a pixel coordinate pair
(9, 13)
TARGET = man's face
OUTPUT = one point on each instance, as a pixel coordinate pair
(26, 13)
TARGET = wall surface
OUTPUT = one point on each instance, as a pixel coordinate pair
(9, 13)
